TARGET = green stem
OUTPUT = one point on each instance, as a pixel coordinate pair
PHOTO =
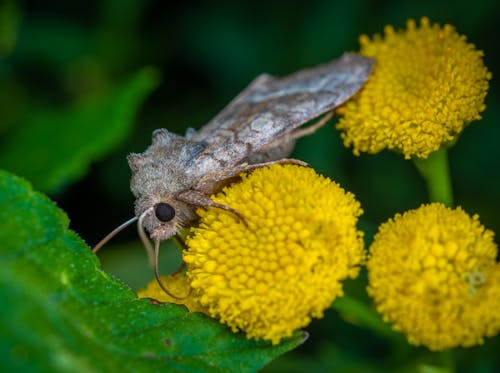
(436, 173)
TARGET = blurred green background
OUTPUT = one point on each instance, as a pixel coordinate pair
(84, 83)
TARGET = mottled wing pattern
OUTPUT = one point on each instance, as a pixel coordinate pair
(271, 107)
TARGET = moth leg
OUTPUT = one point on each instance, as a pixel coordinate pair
(197, 198)
(214, 182)
(251, 167)
(309, 130)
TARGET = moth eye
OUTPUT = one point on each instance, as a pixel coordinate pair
(164, 212)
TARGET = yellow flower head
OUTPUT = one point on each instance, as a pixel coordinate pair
(428, 84)
(178, 284)
(285, 266)
(433, 273)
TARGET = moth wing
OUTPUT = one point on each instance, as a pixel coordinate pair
(270, 107)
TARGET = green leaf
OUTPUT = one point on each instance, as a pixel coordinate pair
(61, 313)
(54, 148)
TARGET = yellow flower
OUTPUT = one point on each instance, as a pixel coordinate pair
(428, 84)
(286, 265)
(433, 273)
(178, 284)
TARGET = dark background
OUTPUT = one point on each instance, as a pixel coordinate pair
(55, 53)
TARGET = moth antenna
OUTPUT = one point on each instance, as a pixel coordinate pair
(145, 239)
(113, 233)
(158, 278)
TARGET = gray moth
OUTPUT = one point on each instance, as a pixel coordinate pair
(177, 174)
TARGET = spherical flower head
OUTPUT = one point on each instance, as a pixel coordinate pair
(269, 275)
(433, 273)
(177, 284)
(427, 85)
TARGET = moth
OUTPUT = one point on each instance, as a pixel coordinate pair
(177, 174)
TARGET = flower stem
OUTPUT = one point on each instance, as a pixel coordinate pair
(436, 173)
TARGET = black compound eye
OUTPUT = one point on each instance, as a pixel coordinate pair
(164, 212)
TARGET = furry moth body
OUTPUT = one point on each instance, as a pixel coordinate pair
(177, 174)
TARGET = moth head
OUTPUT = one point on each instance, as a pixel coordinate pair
(162, 221)
(163, 218)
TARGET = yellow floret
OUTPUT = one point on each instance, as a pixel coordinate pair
(433, 274)
(269, 275)
(178, 285)
(427, 85)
